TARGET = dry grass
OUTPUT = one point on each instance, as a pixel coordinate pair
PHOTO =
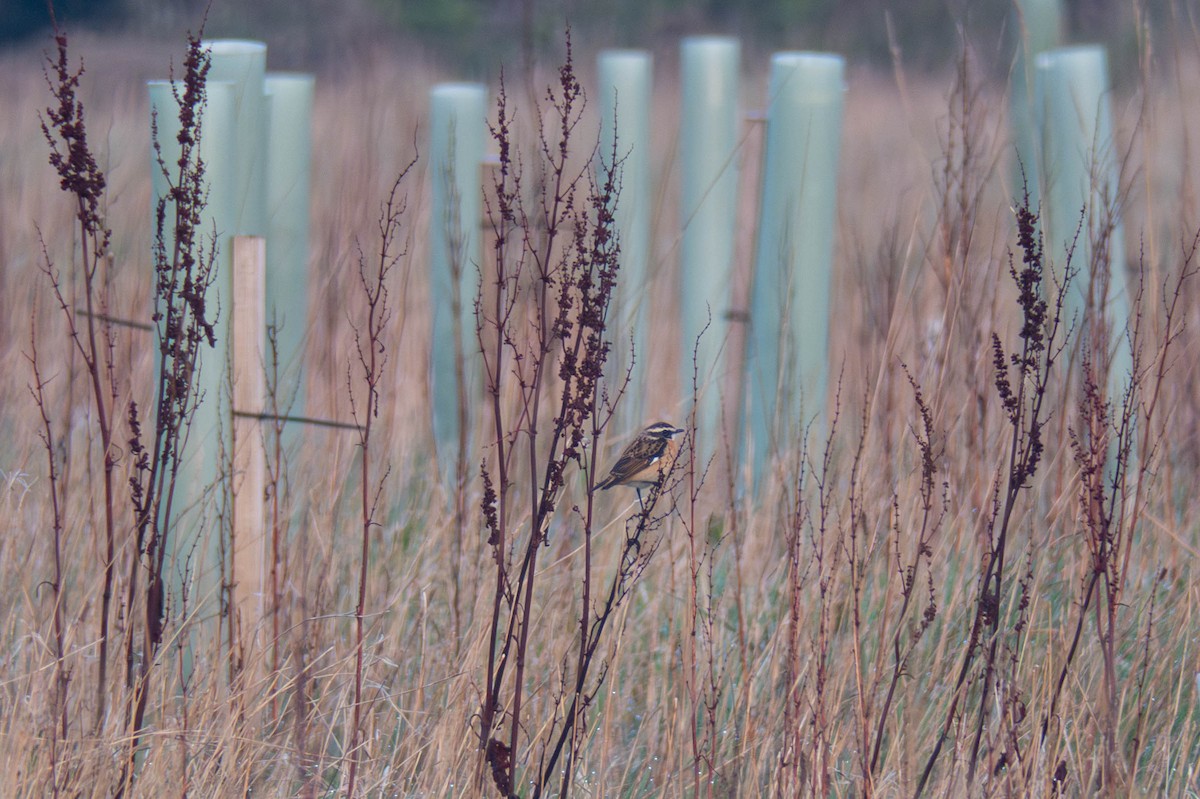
(702, 697)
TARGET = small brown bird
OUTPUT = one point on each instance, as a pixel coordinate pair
(646, 460)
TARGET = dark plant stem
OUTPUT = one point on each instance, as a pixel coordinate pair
(370, 346)
(702, 682)
(184, 324)
(1030, 368)
(931, 520)
(275, 486)
(62, 674)
(66, 134)
(545, 346)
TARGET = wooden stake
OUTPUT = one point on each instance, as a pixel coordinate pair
(248, 550)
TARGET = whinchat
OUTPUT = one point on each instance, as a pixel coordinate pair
(646, 460)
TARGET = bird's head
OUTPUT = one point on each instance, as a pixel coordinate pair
(662, 430)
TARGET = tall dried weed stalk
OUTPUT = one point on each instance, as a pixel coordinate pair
(184, 269)
(89, 328)
(371, 362)
(542, 321)
(183, 264)
(1023, 381)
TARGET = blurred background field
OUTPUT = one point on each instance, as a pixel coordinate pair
(729, 653)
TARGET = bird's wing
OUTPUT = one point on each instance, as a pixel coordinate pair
(640, 455)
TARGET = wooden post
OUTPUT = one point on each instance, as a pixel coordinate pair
(248, 548)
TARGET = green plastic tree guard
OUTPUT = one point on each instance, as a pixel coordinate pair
(787, 359)
(1078, 170)
(708, 147)
(1036, 27)
(458, 131)
(233, 147)
(624, 101)
(244, 63)
(288, 173)
(199, 462)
